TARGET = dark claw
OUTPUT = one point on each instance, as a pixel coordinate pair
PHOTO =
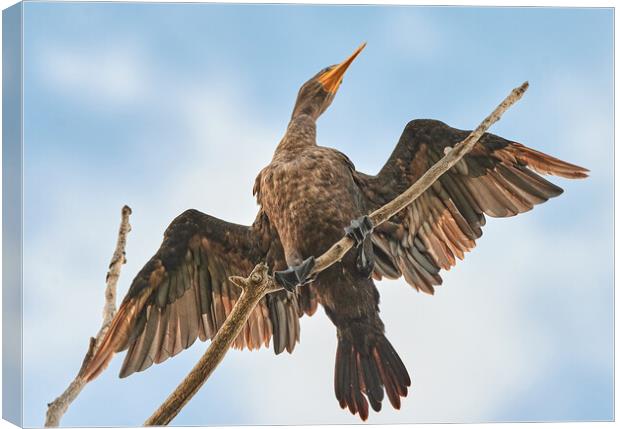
(359, 229)
(295, 276)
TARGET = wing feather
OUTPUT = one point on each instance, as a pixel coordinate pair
(498, 178)
(183, 293)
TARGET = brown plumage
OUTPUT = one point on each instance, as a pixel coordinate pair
(307, 195)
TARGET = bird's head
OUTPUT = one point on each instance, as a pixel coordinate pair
(316, 95)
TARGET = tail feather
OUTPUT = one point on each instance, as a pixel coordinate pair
(364, 373)
(390, 388)
(361, 405)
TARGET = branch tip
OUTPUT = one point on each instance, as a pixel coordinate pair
(59, 406)
(238, 281)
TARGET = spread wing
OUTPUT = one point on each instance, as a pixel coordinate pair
(497, 178)
(183, 293)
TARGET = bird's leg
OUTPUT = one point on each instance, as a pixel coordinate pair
(360, 231)
(296, 275)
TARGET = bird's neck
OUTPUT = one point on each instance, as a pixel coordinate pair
(301, 133)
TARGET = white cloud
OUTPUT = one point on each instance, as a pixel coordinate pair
(113, 74)
(587, 108)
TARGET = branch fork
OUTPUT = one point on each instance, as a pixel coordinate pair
(259, 278)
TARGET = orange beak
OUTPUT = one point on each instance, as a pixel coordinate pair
(332, 78)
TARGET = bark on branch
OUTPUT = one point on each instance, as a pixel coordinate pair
(259, 283)
(57, 408)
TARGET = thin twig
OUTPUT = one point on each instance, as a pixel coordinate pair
(57, 408)
(259, 283)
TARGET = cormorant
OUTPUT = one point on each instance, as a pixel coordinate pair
(308, 195)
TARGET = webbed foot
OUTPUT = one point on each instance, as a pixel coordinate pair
(295, 276)
(360, 231)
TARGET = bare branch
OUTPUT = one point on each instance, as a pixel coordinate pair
(57, 408)
(256, 286)
(259, 283)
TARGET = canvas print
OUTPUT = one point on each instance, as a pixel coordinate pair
(263, 214)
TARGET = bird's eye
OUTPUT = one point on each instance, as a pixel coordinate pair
(325, 70)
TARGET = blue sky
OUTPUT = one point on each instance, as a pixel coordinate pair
(170, 106)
